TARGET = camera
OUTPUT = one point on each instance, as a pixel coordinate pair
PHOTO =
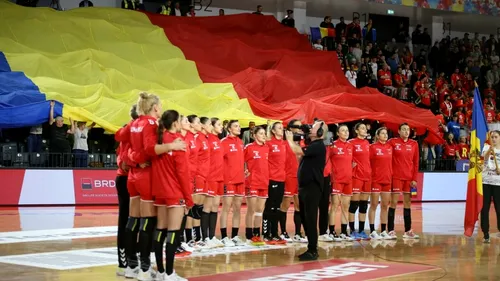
(305, 128)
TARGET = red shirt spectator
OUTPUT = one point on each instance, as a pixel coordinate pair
(461, 118)
(450, 150)
(384, 77)
(490, 115)
(447, 107)
(463, 149)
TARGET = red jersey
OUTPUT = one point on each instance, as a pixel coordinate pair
(193, 148)
(341, 159)
(425, 96)
(361, 156)
(122, 151)
(277, 159)
(398, 78)
(405, 159)
(169, 173)
(463, 150)
(328, 166)
(256, 157)
(234, 160)
(216, 159)
(490, 91)
(449, 150)
(490, 116)
(143, 139)
(384, 81)
(381, 162)
(203, 167)
(461, 119)
(292, 163)
(447, 108)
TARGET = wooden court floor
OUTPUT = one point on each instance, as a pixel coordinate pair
(75, 244)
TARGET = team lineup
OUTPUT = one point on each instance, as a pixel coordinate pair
(174, 172)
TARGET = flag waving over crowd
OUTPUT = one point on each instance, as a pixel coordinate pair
(479, 136)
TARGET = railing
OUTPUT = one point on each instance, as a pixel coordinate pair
(108, 161)
(57, 160)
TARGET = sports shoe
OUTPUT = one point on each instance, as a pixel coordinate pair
(132, 273)
(269, 241)
(196, 246)
(172, 277)
(486, 241)
(346, 237)
(227, 242)
(286, 237)
(363, 236)
(180, 252)
(325, 238)
(384, 235)
(335, 237)
(298, 238)
(257, 241)
(392, 235)
(237, 241)
(149, 275)
(185, 246)
(217, 242)
(355, 236)
(278, 241)
(120, 271)
(374, 235)
(410, 235)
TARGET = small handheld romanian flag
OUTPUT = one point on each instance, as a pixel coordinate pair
(479, 135)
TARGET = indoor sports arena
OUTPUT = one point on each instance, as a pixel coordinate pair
(249, 140)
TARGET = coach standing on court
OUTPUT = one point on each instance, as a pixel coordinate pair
(310, 176)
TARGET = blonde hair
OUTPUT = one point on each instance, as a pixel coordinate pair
(146, 102)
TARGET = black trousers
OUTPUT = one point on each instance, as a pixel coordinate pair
(123, 212)
(489, 192)
(309, 198)
(276, 191)
(324, 202)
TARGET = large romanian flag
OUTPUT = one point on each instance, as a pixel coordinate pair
(479, 135)
(95, 61)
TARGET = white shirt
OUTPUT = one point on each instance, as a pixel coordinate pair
(318, 47)
(489, 172)
(407, 73)
(351, 76)
(374, 67)
(81, 138)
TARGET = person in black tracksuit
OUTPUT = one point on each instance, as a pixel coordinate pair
(311, 180)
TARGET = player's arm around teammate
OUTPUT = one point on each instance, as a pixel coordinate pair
(234, 178)
(361, 185)
(341, 159)
(172, 195)
(256, 158)
(381, 164)
(144, 149)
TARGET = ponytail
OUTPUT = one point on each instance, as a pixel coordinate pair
(161, 128)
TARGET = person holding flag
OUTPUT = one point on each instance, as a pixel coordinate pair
(479, 135)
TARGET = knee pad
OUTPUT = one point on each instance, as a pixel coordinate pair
(173, 237)
(353, 207)
(132, 224)
(148, 224)
(363, 207)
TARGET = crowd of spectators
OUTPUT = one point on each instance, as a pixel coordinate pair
(441, 77)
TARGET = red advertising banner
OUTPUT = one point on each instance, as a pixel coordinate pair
(95, 187)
